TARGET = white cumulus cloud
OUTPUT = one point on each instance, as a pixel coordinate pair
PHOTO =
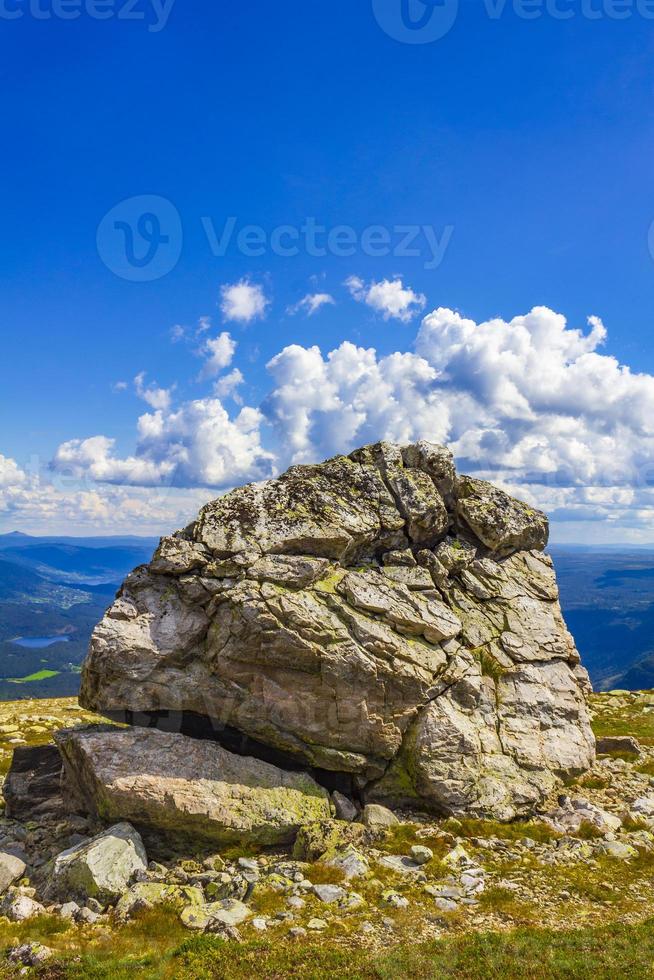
(11, 474)
(311, 303)
(533, 403)
(219, 352)
(390, 297)
(243, 302)
(152, 394)
(194, 446)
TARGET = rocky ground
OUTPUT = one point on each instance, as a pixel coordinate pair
(367, 881)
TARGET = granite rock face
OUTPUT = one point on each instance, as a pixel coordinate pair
(375, 615)
(185, 788)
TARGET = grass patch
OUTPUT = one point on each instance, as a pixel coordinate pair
(646, 767)
(617, 951)
(470, 828)
(587, 831)
(39, 675)
(590, 781)
(401, 838)
(324, 874)
(627, 720)
(623, 754)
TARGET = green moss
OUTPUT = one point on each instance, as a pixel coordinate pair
(490, 667)
(329, 583)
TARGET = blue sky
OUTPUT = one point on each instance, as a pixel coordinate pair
(513, 155)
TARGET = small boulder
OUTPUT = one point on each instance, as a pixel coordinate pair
(626, 744)
(349, 860)
(18, 908)
(30, 954)
(69, 910)
(571, 814)
(329, 893)
(212, 915)
(345, 808)
(148, 894)
(421, 855)
(101, 868)
(13, 864)
(325, 837)
(376, 816)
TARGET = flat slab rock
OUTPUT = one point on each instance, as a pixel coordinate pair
(182, 787)
(376, 615)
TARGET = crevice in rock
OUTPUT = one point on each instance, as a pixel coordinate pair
(209, 729)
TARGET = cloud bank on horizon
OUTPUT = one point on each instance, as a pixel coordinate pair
(531, 403)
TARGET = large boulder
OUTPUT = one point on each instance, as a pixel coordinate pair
(185, 789)
(375, 615)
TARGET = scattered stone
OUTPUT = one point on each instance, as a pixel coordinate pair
(329, 893)
(421, 854)
(316, 925)
(393, 898)
(203, 918)
(19, 908)
(30, 954)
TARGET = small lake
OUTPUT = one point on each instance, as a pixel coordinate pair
(37, 642)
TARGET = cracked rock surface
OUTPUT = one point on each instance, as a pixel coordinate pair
(375, 615)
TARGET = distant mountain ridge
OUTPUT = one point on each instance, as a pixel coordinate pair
(56, 586)
(49, 583)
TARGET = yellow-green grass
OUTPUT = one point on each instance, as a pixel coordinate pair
(39, 675)
(151, 949)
